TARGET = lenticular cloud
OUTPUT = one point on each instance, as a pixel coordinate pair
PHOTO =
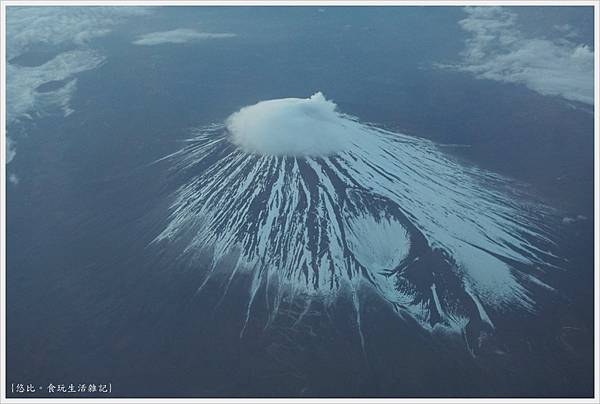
(312, 204)
(292, 127)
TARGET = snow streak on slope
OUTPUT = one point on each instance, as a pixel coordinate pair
(444, 242)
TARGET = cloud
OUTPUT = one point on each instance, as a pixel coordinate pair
(24, 98)
(13, 179)
(178, 36)
(10, 150)
(567, 29)
(291, 127)
(27, 26)
(498, 50)
(65, 34)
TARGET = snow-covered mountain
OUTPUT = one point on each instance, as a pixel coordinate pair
(311, 203)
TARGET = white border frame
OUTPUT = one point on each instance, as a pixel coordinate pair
(5, 3)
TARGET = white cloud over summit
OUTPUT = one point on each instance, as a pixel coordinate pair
(498, 50)
(292, 127)
(178, 36)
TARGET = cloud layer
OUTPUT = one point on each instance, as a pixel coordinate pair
(498, 50)
(65, 33)
(178, 36)
(22, 91)
(27, 26)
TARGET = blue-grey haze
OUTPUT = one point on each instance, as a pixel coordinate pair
(96, 98)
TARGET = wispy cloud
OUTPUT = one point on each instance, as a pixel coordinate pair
(51, 25)
(13, 179)
(24, 98)
(10, 150)
(567, 30)
(178, 36)
(55, 29)
(498, 50)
